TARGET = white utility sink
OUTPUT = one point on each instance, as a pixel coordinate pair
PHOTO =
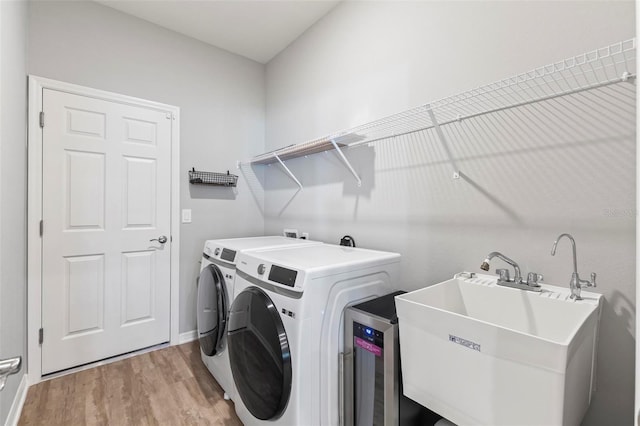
(482, 354)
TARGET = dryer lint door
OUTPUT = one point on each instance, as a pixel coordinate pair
(259, 354)
(212, 310)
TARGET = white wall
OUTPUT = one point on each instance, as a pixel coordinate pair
(529, 174)
(13, 178)
(221, 96)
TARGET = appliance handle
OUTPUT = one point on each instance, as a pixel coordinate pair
(344, 393)
(341, 388)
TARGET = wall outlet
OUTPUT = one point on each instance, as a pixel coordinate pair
(186, 215)
(305, 236)
(290, 233)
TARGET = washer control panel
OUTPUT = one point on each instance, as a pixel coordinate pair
(216, 252)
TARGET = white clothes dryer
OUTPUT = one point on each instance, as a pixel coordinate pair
(215, 295)
(286, 328)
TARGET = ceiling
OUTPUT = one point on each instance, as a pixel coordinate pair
(256, 29)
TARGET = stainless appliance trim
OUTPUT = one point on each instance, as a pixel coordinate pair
(391, 365)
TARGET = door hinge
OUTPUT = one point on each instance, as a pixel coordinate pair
(41, 118)
(41, 227)
(41, 335)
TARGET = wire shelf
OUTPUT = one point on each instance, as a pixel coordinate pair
(293, 151)
(212, 178)
(601, 67)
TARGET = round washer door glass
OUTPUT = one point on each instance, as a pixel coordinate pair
(212, 310)
(259, 354)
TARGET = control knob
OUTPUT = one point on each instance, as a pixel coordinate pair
(261, 269)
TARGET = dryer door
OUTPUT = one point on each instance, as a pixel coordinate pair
(212, 307)
(259, 354)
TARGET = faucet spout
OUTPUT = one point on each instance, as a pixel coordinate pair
(573, 244)
(485, 265)
(575, 284)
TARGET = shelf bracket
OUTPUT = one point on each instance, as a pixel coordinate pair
(286, 169)
(346, 162)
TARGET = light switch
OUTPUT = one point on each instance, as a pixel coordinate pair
(186, 215)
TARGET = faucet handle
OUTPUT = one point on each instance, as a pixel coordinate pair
(504, 274)
(590, 283)
(533, 279)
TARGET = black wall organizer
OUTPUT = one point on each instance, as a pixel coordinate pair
(212, 178)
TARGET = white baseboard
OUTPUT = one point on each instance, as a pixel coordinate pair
(188, 336)
(18, 402)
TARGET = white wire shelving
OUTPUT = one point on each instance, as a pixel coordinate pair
(602, 67)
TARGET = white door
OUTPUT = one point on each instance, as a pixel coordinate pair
(106, 197)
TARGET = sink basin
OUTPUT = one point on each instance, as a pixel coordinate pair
(479, 353)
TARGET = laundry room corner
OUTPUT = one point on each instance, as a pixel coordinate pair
(511, 180)
(220, 95)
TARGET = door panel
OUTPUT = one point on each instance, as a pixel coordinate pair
(138, 286)
(85, 123)
(140, 131)
(85, 183)
(139, 197)
(84, 290)
(106, 195)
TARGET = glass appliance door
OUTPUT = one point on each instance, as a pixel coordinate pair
(259, 354)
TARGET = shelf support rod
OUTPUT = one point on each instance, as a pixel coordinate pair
(286, 169)
(443, 141)
(346, 162)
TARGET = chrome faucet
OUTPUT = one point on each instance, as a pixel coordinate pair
(530, 284)
(485, 264)
(576, 283)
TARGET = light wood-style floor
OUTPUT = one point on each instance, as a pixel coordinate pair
(169, 386)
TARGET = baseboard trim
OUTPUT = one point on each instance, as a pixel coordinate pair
(101, 362)
(18, 402)
(188, 336)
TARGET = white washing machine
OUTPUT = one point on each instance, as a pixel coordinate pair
(286, 328)
(215, 295)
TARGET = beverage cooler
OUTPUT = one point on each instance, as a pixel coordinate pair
(371, 369)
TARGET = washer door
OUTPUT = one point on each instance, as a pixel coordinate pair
(212, 309)
(259, 354)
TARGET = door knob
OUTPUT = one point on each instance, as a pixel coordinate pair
(161, 239)
(8, 367)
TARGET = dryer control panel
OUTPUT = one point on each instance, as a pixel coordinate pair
(277, 275)
(283, 276)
